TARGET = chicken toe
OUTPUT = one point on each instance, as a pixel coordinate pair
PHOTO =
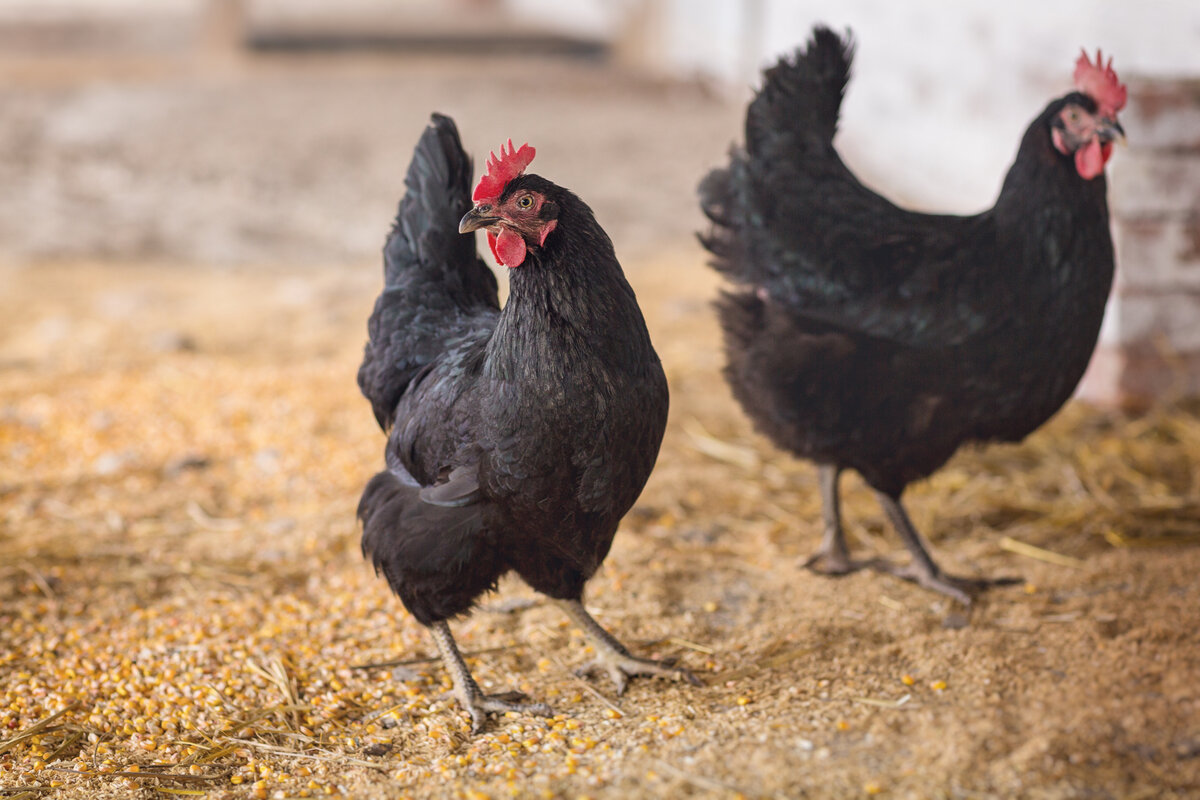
(620, 667)
(613, 659)
(467, 691)
(479, 705)
(923, 570)
(955, 587)
(833, 562)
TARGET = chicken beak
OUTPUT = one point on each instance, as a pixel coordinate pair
(478, 217)
(1109, 130)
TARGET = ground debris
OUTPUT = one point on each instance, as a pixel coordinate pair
(196, 616)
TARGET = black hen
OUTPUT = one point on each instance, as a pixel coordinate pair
(864, 336)
(518, 437)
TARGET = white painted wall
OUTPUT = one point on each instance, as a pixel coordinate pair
(942, 90)
(940, 96)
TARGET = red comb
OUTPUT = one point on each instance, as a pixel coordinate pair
(1099, 82)
(501, 170)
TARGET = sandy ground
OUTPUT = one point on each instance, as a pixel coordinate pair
(184, 611)
(178, 503)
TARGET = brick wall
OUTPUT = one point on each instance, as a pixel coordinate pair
(1149, 348)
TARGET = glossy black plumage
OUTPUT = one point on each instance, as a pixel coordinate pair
(861, 335)
(518, 438)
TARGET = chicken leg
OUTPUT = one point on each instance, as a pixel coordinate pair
(478, 704)
(832, 557)
(611, 656)
(923, 570)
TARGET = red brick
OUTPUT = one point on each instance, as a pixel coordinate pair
(1150, 183)
(1135, 378)
(1136, 317)
(1162, 253)
(1163, 115)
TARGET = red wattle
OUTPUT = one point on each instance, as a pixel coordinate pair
(508, 247)
(1089, 160)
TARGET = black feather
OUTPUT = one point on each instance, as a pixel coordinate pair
(435, 557)
(436, 289)
(518, 438)
(863, 335)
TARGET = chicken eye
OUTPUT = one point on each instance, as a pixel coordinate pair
(525, 202)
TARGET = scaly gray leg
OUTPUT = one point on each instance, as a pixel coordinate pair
(923, 570)
(611, 656)
(478, 704)
(832, 557)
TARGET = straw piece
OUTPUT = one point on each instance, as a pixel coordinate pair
(1031, 551)
(900, 702)
(713, 447)
(35, 729)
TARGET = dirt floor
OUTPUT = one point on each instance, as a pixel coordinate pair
(182, 593)
(183, 607)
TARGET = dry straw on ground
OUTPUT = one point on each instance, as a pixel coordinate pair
(184, 613)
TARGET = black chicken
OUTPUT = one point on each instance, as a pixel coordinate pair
(518, 437)
(861, 335)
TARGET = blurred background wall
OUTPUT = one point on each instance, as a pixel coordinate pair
(224, 132)
(940, 96)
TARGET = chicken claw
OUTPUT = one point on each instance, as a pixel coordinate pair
(467, 691)
(621, 666)
(613, 659)
(833, 563)
(479, 705)
(923, 570)
(961, 589)
(832, 557)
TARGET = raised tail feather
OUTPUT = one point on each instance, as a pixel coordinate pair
(435, 285)
(793, 118)
(801, 96)
(437, 192)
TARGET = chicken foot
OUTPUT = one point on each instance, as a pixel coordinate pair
(832, 557)
(478, 704)
(923, 570)
(611, 656)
